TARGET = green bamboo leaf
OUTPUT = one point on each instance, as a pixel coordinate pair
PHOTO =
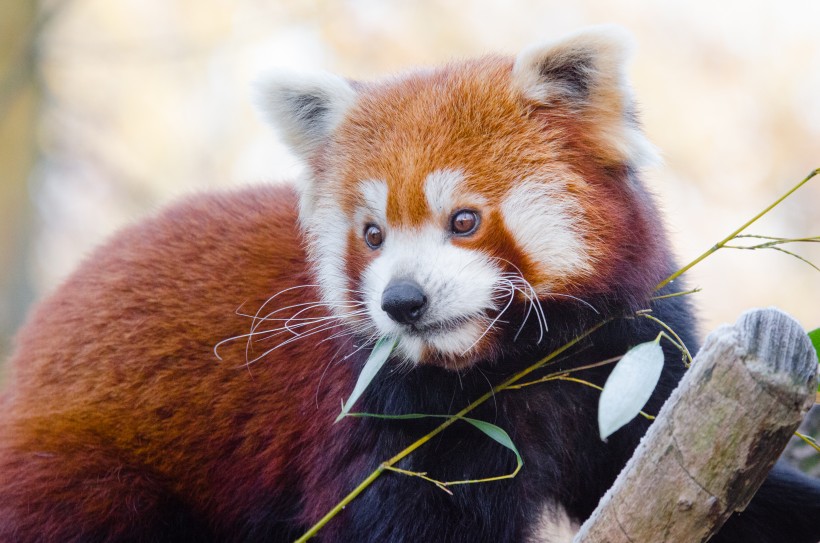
(498, 434)
(378, 356)
(814, 336)
(629, 386)
(491, 430)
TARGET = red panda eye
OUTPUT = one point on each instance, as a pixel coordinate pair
(373, 236)
(464, 222)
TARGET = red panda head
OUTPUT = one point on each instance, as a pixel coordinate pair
(437, 199)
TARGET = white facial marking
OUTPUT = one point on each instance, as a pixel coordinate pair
(459, 284)
(373, 206)
(445, 191)
(553, 525)
(328, 230)
(547, 224)
(440, 189)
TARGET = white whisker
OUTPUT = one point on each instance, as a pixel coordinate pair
(577, 299)
(264, 334)
(534, 303)
(307, 306)
(370, 340)
(490, 326)
(290, 326)
(317, 330)
(258, 311)
(296, 325)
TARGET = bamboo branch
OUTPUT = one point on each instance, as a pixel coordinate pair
(514, 381)
(734, 234)
(375, 474)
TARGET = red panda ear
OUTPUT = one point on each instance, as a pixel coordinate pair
(586, 72)
(305, 108)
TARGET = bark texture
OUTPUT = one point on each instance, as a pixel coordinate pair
(716, 437)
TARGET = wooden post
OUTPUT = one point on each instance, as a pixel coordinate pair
(716, 437)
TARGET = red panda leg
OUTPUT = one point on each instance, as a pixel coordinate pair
(82, 495)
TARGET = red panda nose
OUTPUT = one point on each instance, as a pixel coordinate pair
(404, 301)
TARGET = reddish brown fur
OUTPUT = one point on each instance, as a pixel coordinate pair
(115, 389)
(120, 423)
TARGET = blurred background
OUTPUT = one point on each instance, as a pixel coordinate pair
(109, 110)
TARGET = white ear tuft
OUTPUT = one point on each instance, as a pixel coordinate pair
(305, 108)
(587, 72)
(576, 66)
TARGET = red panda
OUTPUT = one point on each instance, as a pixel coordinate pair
(480, 214)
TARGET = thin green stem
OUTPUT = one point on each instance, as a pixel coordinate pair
(556, 375)
(773, 247)
(444, 484)
(811, 239)
(808, 440)
(512, 381)
(375, 474)
(677, 341)
(342, 504)
(596, 387)
(676, 294)
(731, 236)
(487, 479)
(772, 242)
(422, 475)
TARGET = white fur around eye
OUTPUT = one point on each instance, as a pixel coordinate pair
(547, 224)
(440, 189)
(372, 202)
(445, 191)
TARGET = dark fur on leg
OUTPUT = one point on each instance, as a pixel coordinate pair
(786, 509)
(84, 496)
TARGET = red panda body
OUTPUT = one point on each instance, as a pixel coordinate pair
(183, 383)
(98, 422)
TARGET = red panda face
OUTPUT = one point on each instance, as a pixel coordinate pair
(438, 200)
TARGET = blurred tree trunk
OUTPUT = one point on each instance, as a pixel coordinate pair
(18, 109)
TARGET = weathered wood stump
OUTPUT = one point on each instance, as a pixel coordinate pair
(716, 437)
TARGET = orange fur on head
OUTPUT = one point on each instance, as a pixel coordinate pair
(540, 146)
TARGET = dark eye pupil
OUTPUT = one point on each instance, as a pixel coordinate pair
(373, 236)
(464, 222)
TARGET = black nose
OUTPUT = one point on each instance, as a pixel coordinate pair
(404, 301)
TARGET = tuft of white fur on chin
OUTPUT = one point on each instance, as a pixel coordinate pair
(452, 344)
(459, 284)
